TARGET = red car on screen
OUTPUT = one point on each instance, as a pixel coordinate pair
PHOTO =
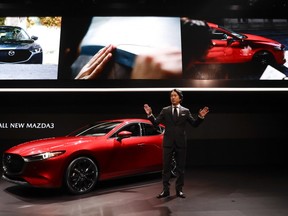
(101, 151)
(231, 47)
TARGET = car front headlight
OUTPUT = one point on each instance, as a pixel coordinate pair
(279, 48)
(37, 50)
(42, 156)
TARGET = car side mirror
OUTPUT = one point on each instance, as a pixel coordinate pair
(34, 37)
(124, 134)
(230, 40)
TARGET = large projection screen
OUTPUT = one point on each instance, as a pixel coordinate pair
(151, 52)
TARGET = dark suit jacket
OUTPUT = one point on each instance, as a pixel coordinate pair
(175, 133)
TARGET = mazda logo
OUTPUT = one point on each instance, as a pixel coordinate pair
(8, 159)
(11, 52)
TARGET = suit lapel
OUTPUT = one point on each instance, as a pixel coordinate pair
(170, 112)
(180, 111)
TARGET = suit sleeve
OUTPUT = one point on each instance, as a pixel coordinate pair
(156, 120)
(195, 122)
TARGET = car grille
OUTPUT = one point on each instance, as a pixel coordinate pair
(12, 163)
(11, 56)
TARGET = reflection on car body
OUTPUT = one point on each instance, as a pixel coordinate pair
(16, 46)
(104, 150)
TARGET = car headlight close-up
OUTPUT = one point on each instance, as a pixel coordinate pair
(42, 156)
(37, 50)
(279, 48)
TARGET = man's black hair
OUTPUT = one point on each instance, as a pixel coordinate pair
(179, 92)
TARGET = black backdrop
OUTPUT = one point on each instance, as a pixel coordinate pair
(242, 128)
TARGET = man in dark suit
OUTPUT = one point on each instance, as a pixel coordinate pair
(174, 117)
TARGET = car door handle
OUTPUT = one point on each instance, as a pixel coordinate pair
(141, 144)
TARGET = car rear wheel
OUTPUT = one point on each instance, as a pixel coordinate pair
(264, 58)
(81, 175)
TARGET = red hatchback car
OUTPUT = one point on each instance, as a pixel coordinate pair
(232, 47)
(104, 150)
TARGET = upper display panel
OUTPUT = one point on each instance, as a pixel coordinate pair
(173, 51)
(209, 45)
(243, 49)
(29, 48)
(122, 48)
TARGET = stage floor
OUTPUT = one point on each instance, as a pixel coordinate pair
(222, 191)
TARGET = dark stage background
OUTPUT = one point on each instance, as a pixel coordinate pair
(242, 128)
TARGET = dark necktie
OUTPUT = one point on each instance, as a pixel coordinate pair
(175, 114)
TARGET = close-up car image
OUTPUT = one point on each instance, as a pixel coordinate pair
(233, 47)
(16, 46)
(104, 150)
(239, 49)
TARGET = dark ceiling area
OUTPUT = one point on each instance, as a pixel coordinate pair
(232, 8)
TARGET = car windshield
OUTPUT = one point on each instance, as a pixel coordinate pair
(235, 34)
(11, 34)
(97, 129)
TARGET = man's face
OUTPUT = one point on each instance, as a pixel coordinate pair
(174, 97)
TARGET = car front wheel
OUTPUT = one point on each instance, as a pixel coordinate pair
(81, 175)
(264, 58)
